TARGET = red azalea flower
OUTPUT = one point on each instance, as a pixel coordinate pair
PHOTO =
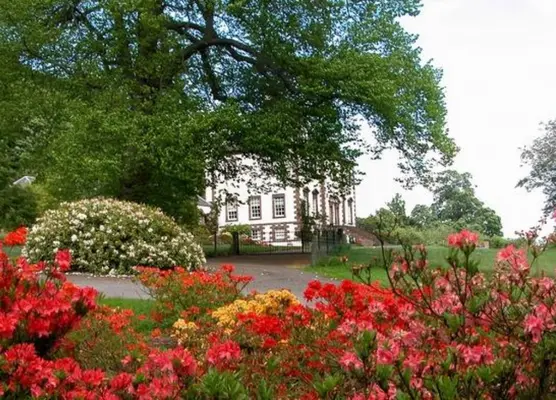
(223, 354)
(63, 259)
(463, 239)
(17, 237)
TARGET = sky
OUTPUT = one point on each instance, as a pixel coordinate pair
(499, 69)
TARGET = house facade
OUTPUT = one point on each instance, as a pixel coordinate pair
(276, 215)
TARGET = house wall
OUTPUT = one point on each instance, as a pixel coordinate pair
(268, 223)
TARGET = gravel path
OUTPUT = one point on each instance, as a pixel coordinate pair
(268, 271)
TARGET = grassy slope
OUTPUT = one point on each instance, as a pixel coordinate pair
(333, 267)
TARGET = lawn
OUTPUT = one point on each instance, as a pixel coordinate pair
(332, 267)
(140, 307)
(12, 251)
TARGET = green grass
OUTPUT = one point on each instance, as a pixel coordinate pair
(140, 307)
(12, 251)
(332, 267)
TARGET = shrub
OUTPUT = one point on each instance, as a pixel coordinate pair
(110, 236)
(498, 242)
(18, 206)
(436, 235)
(409, 235)
(178, 291)
(39, 311)
(103, 339)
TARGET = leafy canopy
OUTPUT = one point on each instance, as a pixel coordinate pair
(455, 202)
(540, 158)
(144, 97)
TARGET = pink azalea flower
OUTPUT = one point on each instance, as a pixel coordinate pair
(350, 361)
(463, 239)
(534, 326)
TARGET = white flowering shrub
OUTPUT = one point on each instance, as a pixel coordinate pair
(108, 236)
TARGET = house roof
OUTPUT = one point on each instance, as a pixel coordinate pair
(25, 180)
(202, 202)
(203, 205)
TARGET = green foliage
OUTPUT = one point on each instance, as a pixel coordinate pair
(18, 206)
(217, 385)
(455, 203)
(95, 345)
(540, 158)
(139, 100)
(109, 236)
(325, 387)
(240, 229)
(409, 235)
(179, 291)
(382, 224)
(397, 207)
(436, 234)
(498, 242)
(422, 216)
(308, 224)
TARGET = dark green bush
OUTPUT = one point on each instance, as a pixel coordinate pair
(18, 206)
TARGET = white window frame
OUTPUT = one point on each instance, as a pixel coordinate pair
(282, 230)
(255, 207)
(315, 203)
(279, 207)
(232, 207)
(307, 202)
(259, 234)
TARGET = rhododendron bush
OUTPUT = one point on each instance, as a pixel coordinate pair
(108, 236)
(447, 333)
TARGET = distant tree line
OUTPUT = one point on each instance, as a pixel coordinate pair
(455, 206)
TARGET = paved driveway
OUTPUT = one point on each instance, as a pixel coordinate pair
(268, 271)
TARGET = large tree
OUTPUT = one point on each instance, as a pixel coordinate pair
(422, 216)
(541, 158)
(397, 207)
(152, 94)
(456, 203)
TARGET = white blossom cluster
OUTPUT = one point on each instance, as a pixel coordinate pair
(111, 237)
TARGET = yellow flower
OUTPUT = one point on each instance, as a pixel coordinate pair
(183, 330)
(272, 302)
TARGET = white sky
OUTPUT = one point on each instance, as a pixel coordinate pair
(500, 77)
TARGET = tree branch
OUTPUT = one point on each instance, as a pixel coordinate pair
(212, 79)
(213, 41)
(181, 27)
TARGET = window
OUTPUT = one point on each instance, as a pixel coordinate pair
(350, 211)
(279, 205)
(306, 205)
(255, 207)
(331, 212)
(256, 234)
(315, 202)
(231, 211)
(279, 233)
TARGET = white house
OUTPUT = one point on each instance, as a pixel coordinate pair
(275, 215)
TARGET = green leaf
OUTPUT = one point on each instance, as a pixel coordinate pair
(327, 385)
(447, 387)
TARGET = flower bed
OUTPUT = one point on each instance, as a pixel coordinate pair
(436, 334)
